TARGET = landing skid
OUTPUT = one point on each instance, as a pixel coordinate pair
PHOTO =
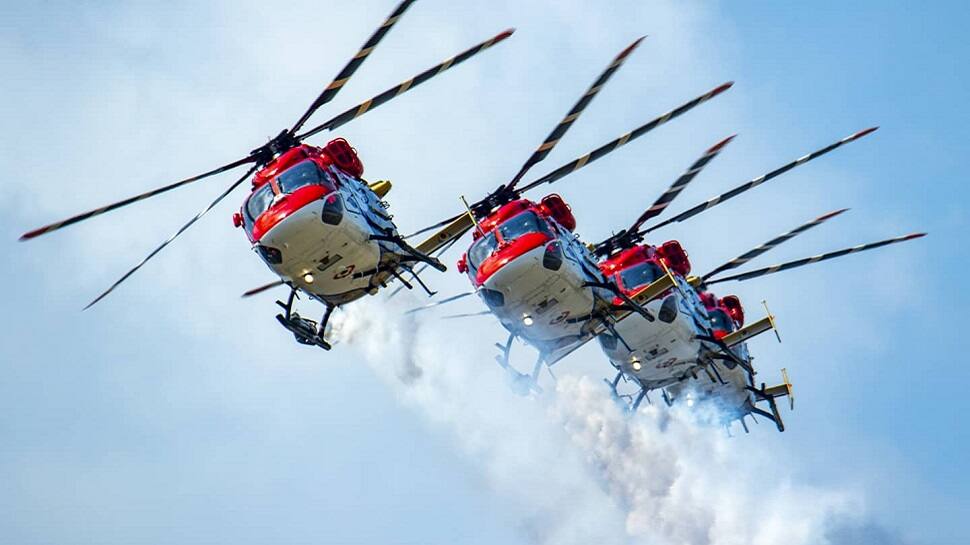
(305, 331)
(522, 383)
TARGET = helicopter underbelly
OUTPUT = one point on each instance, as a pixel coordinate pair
(540, 301)
(665, 352)
(332, 254)
(730, 395)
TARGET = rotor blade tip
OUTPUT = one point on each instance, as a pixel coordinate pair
(720, 145)
(862, 133)
(915, 235)
(623, 54)
(833, 213)
(31, 234)
(505, 34)
(723, 87)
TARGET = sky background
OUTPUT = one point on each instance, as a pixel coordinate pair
(174, 411)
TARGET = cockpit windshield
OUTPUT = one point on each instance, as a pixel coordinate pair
(640, 275)
(302, 174)
(720, 320)
(259, 201)
(481, 249)
(524, 223)
(511, 229)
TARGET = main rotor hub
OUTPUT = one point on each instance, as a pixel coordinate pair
(281, 143)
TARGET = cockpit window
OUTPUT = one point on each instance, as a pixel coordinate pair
(720, 320)
(511, 229)
(481, 249)
(302, 174)
(524, 223)
(640, 275)
(259, 202)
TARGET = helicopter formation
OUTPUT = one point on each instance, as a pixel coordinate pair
(325, 231)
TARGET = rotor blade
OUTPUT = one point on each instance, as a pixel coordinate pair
(114, 206)
(557, 133)
(440, 224)
(628, 137)
(760, 180)
(815, 259)
(263, 288)
(664, 201)
(465, 315)
(174, 236)
(629, 236)
(441, 302)
(376, 101)
(748, 256)
(338, 82)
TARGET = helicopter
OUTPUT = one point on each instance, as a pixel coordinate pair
(697, 335)
(310, 215)
(660, 353)
(697, 331)
(525, 262)
(735, 389)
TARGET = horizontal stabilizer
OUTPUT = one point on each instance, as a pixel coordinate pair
(784, 389)
(450, 232)
(751, 330)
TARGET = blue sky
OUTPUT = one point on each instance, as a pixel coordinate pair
(176, 412)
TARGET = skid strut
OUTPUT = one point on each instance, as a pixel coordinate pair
(305, 331)
(424, 258)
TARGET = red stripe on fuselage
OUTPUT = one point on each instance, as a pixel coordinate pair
(509, 252)
(285, 206)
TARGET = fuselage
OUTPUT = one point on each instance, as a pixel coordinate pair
(311, 218)
(531, 271)
(667, 350)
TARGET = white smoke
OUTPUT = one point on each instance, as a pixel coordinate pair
(578, 467)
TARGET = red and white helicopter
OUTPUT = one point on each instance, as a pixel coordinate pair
(680, 353)
(734, 389)
(310, 216)
(526, 264)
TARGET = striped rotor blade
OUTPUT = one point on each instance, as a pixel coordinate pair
(174, 236)
(466, 315)
(664, 201)
(815, 259)
(550, 142)
(577, 164)
(338, 82)
(376, 101)
(760, 180)
(441, 302)
(438, 225)
(771, 244)
(263, 288)
(114, 206)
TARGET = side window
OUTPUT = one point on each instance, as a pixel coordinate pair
(258, 202)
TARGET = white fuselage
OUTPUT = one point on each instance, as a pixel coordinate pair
(731, 396)
(658, 353)
(547, 308)
(335, 263)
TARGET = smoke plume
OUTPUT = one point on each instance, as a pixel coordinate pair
(578, 467)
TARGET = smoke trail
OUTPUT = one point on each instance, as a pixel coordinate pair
(579, 468)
